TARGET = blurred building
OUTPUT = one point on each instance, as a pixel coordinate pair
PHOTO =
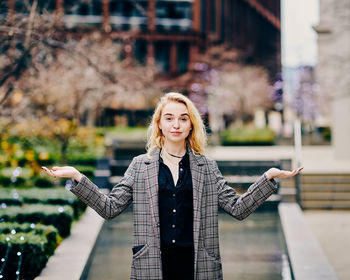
(333, 69)
(171, 32)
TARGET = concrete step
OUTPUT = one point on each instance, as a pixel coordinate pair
(327, 205)
(326, 188)
(325, 179)
(331, 196)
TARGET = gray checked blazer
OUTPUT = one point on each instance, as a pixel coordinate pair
(210, 190)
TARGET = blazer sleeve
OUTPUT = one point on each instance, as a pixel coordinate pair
(241, 206)
(111, 205)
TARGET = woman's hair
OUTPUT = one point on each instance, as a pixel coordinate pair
(196, 139)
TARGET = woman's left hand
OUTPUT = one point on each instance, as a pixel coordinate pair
(278, 173)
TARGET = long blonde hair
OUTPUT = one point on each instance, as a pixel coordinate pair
(197, 138)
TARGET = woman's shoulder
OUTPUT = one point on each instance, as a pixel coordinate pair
(204, 159)
(144, 158)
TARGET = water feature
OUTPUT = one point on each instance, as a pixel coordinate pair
(252, 249)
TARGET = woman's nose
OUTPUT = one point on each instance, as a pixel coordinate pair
(176, 123)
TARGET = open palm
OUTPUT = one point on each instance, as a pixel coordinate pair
(278, 173)
(63, 172)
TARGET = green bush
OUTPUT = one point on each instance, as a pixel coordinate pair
(41, 182)
(50, 232)
(87, 170)
(6, 181)
(7, 197)
(33, 253)
(59, 196)
(60, 217)
(247, 135)
(82, 159)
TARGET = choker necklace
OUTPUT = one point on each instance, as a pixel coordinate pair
(173, 155)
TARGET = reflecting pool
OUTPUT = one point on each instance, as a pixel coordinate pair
(252, 249)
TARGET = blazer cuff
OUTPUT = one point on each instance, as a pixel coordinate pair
(77, 186)
(270, 182)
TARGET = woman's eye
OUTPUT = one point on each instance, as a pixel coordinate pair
(168, 119)
(184, 119)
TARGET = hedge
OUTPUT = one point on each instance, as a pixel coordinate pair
(26, 251)
(59, 216)
(247, 135)
(6, 181)
(54, 196)
(50, 232)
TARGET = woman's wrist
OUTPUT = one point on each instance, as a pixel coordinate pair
(268, 175)
(78, 177)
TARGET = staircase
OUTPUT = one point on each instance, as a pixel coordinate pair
(325, 191)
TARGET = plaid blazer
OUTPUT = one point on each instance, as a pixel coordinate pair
(210, 189)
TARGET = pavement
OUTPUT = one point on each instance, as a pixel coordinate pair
(331, 228)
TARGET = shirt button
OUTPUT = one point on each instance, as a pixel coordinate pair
(181, 169)
(173, 241)
(174, 210)
(173, 226)
(174, 195)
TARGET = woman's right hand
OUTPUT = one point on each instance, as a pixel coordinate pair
(64, 172)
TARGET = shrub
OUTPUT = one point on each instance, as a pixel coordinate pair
(9, 198)
(247, 135)
(54, 196)
(6, 181)
(50, 232)
(33, 254)
(82, 159)
(59, 216)
(87, 170)
(43, 182)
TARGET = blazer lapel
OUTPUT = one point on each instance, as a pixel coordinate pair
(196, 163)
(151, 185)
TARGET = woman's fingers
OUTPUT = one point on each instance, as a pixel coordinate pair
(61, 171)
(286, 173)
(48, 171)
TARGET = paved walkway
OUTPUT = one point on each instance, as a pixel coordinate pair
(331, 228)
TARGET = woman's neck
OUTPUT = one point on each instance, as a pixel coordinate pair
(175, 149)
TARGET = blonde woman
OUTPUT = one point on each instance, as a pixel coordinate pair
(175, 190)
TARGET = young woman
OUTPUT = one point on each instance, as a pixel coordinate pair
(175, 191)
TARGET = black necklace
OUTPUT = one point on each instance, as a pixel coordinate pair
(173, 155)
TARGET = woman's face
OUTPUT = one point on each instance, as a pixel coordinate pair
(175, 122)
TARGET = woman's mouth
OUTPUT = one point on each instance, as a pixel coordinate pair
(175, 133)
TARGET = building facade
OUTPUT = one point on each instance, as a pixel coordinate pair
(333, 69)
(170, 33)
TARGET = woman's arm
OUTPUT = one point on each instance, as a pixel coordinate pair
(107, 206)
(241, 206)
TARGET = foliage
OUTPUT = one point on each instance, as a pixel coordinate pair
(31, 145)
(59, 216)
(247, 135)
(50, 232)
(53, 196)
(33, 250)
(237, 91)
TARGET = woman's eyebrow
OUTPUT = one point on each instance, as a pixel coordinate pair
(170, 114)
